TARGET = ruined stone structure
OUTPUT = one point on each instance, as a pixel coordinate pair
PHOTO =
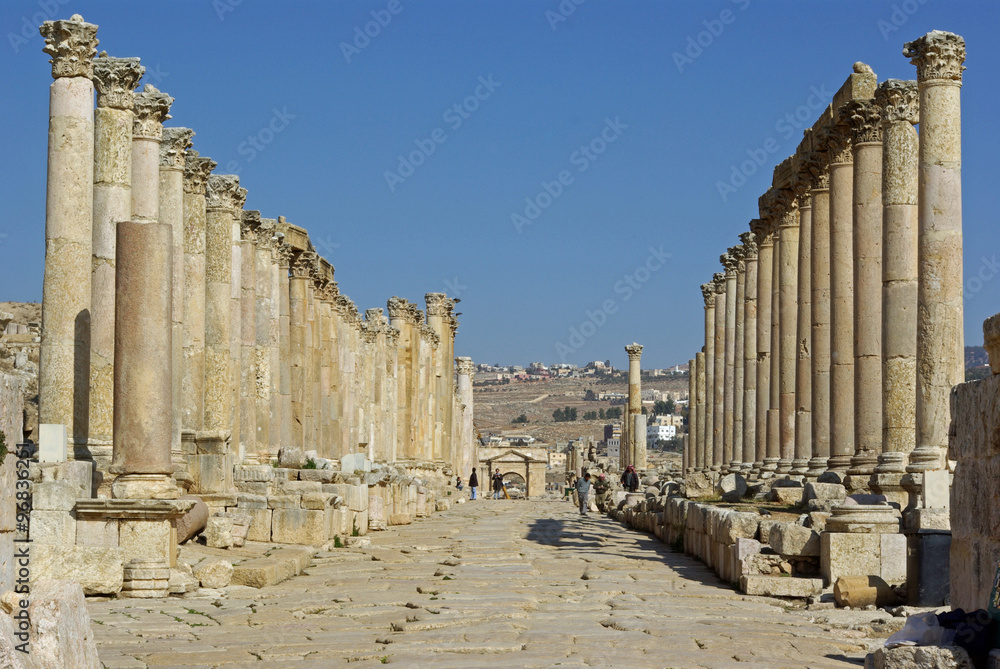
(191, 346)
(849, 348)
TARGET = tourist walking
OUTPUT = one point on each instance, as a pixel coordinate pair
(630, 480)
(583, 493)
(497, 484)
(473, 483)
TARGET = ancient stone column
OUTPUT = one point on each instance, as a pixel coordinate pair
(224, 201)
(143, 371)
(900, 147)
(636, 458)
(399, 319)
(765, 268)
(940, 338)
(803, 336)
(699, 427)
(192, 407)
(819, 284)
(274, 336)
(788, 262)
(773, 448)
(328, 443)
(729, 261)
(466, 372)
(264, 389)
(250, 447)
(689, 444)
(64, 365)
(749, 354)
(718, 392)
(708, 372)
(175, 143)
(735, 463)
(114, 79)
(866, 137)
(298, 298)
(284, 252)
(841, 301)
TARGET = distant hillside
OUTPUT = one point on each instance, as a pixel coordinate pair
(975, 356)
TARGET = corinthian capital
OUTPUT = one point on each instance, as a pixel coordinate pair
(224, 192)
(865, 120)
(72, 45)
(464, 366)
(634, 351)
(151, 109)
(937, 55)
(719, 281)
(898, 101)
(437, 304)
(708, 293)
(249, 221)
(174, 146)
(196, 171)
(749, 245)
(304, 264)
(398, 307)
(762, 231)
(115, 79)
(838, 147)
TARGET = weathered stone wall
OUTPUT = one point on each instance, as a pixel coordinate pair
(11, 409)
(975, 491)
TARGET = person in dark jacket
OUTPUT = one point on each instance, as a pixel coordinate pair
(497, 484)
(630, 480)
(473, 482)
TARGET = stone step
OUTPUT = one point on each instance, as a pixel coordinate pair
(278, 565)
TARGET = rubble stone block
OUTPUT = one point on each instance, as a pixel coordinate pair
(794, 540)
(61, 635)
(57, 528)
(298, 526)
(98, 570)
(786, 495)
(260, 525)
(919, 657)
(824, 491)
(214, 573)
(732, 487)
(780, 586)
(219, 532)
(844, 554)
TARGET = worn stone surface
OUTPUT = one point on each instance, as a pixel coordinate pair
(61, 634)
(214, 573)
(515, 596)
(919, 657)
(98, 569)
(793, 539)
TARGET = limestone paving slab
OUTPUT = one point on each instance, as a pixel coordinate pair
(515, 596)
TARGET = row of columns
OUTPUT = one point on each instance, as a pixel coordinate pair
(834, 335)
(181, 331)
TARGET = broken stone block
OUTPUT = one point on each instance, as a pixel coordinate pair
(194, 521)
(732, 488)
(284, 501)
(861, 591)
(376, 513)
(260, 524)
(291, 458)
(786, 494)
(214, 573)
(181, 582)
(780, 586)
(793, 539)
(695, 485)
(824, 491)
(738, 525)
(919, 657)
(97, 570)
(440, 505)
(317, 475)
(9, 655)
(54, 496)
(299, 526)
(219, 532)
(61, 635)
(146, 578)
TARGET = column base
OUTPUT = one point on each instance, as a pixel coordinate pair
(857, 483)
(925, 458)
(799, 467)
(902, 490)
(769, 465)
(839, 464)
(783, 466)
(863, 463)
(735, 466)
(891, 463)
(816, 467)
(144, 486)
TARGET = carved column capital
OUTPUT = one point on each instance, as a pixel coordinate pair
(865, 119)
(937, 55)
(708, 293)
(115, 80)
(763, 233)
(249, 221)
(223, 191)
(151, 109)
(464, 366)
(283, 251)
(437, 304)
(838, 145)
(719, 281)
(397, 307)
(72, 45)
(196, 172)
(634, 351)
(749, 245)
(303, 264)
(174, 146)
(898, 101)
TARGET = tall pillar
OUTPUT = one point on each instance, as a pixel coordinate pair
(819, 285)
(328, 445)
(398, 319)
(689, 444)
(735, 464)
(438, 313)
(773, 448)
(466, 372)
(866, 137)
(940, 338)
(749, 353)
(298, 300)
(64, 365)
(249, 446)
(787, 215)
(699, 433)
(765, 267)
(224, 201)
(192, 407)
(719, 379)
(143, 371)
(841, 301)
(803, 337)
(637, 445)
(900, 147)
(173, 148)
(114, 79)
(263, 389)
(284, 253)
(729, 261)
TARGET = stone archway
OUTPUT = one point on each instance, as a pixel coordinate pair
(515, 483)
(528, 468)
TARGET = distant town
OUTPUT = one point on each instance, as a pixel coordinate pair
(537, 371)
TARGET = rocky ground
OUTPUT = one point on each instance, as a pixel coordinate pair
(488, 583)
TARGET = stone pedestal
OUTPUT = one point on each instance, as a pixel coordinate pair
(142, 528)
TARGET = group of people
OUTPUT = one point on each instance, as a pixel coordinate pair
(629, 481)
(496, 484)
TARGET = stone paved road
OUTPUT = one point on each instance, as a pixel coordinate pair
(487, 584)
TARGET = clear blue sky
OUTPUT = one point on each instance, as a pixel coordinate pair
(671, 131)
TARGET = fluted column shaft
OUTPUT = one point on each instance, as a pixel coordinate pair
(803, 338)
